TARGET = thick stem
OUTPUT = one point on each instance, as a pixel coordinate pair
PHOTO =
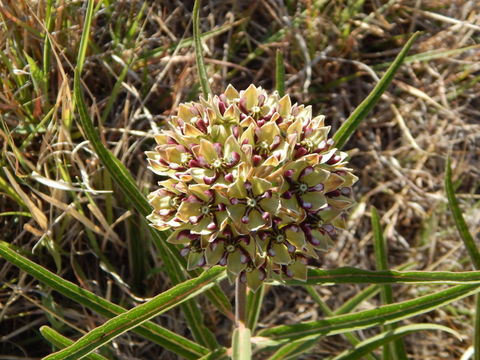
(240, 303)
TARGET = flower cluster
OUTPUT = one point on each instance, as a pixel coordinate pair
(253, 183)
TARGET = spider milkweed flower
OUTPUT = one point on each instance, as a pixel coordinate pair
(253, 183)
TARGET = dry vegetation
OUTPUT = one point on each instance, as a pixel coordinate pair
(140, 65)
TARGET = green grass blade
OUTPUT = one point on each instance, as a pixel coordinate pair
(241, 346)
(367, 346)
(383, 315)
(218, 354)
(279, 73)
(201, 69)
(356, 300)
(469, 243)
(396, 349)
(60, 341)
(139, 314)
(349, 275)
(254, 305)
(362, 110)
(153, 332)
(458, 217)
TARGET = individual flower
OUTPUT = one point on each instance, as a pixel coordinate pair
(253, 184)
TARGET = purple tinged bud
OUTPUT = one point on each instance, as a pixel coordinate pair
(221, 207)
(260, 122)
(171, 140)
(346, 191)
(234, 159)
(243, 258)
(329, 228)
(322, 146)
(264, 235)
(242, 105)
(256, 159)
(212, 226)
(330, 142)
(248, 185)
(223, 260)
(261, 100)
(245, 142)
(276, 141)
(300, 152)
(288, 173)
(183, 234)
(194, 219)
(291, 248)
(307, 171)
(271, 252)
(287, 195)
(236, 131)
(277, 221)
(243, 277)
(318, 187)
(267, 194)
(209, 193)
(265, 215)
(191, 198)
(288, 272)
(333, 193)
(201, 125)
(222, 107)
(306, 205)
(229, 177)
(194, 163)
(209, 180)
(184, 252)
(314, 241)
(234, 201)
(243, 116)
(262, 275)
(201, 261)
(245, 219)
(333, 160)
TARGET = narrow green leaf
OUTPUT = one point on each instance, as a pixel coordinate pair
(242, 348)
(279, 73)
(396, 349)
(60, 341)
(362, 110)
(383, 315)
(202, 71)
(367, 346)
(469, 245)
(254, 305)
(349, 275)
(458, 217)
(155, 333)
(132, 318)
(293, 349)
(218, 354)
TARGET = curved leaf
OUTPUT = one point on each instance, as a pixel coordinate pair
(367, 346)
(161, 336)
(349, 275)
(362, 110)
(383, 315)
(138, 315)
(202, 71)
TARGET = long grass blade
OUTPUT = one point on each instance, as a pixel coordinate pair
(138, 315)
(153, 332)
(254, 305)
(241, 346)
(383, 315)
(60, 341)
(362, 110)
(469, 243)
(395, 349)
(350, 275)
(367, 346)
(201, 69)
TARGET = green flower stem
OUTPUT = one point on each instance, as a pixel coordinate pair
(241, 344)
(240, 303)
